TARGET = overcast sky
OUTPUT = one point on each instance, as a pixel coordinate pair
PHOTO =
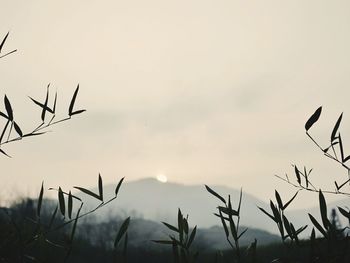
(213, 92)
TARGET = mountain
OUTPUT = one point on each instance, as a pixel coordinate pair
(150, 199)
(141, 232)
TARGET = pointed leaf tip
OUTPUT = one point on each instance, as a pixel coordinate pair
(40, 199)
(3, 41)
(61, 201)
(100, 187)
(71, 105)
(122, 231)
(314, 118)
(336, 127)
(8, 108)
(118, 186)
(215, 194)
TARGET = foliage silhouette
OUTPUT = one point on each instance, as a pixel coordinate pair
(30, 234)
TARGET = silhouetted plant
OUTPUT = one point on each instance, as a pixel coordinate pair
(63, 216)
(285, 227)
(12, 125)
(123, 232)
(2, 45)
(231, 227)
(182, 243)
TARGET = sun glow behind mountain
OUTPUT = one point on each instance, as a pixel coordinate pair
(162, 178)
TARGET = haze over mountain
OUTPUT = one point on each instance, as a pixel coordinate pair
(204, 92)
(153, 200)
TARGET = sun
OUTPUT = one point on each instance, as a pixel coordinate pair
(162, 178)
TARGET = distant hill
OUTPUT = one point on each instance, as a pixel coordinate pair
(141, 232)
(153, 200)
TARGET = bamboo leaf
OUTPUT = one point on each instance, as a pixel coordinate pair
(53, 217)
(3, 41)
(77, 112)
(228, 211)
(297, 174)
(4, 115)
(314, 118)
(306, 177)
(61, 201)
(312, 237)
(242, 233)
(224, 224)
(100, 187)
(171, 227)
(336, 127)
(346, 159)
(185, 226)
(290, 201)
(40, 199)
(323, 210)
(275, 212)
(344, 212)
(233, 229)
(301, 229)
(287, 227)
(41, 105)
(17, 129)
(192, 236)
(88, 192)
(4, 130)
(279, 200)
(8, 108)
(239, 202)
(122, 231)
(75, 223)
(318, 226)
(2, 151)
(225, 218)
(341, 148)
(118, 186)
(54, 104)
(71, 106)
(215, 194)
(180, 224)
(266, 213)
(70, 205)
(43, 112)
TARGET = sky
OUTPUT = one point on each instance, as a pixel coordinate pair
(203, 92)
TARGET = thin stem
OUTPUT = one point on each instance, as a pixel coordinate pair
(9, 53)
(300, 187)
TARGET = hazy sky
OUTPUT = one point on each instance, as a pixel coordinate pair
(213, 92)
